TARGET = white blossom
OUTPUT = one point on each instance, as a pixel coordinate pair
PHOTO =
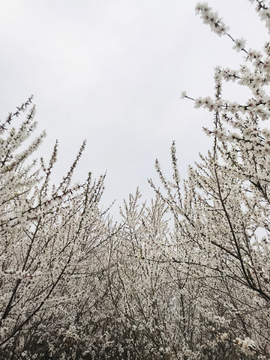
(239, 44)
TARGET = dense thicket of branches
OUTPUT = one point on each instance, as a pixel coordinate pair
(73, 285)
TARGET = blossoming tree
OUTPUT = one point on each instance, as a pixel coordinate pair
(48, 236)
(222, 216)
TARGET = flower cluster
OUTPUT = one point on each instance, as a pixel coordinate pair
(247, 345)
(211, 18)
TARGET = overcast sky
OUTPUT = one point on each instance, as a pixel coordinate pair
(112, 72)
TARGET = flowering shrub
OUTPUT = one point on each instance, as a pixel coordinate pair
(48, 237)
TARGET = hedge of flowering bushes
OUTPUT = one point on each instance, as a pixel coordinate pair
(74, 285)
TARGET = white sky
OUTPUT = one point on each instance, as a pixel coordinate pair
(112, 72)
